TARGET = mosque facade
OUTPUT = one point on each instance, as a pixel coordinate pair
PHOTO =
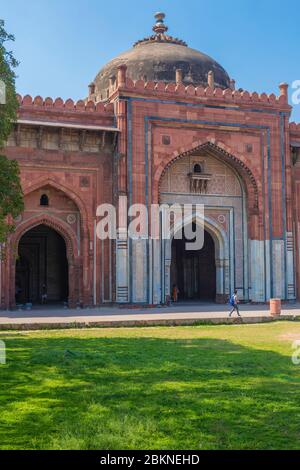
(163, 124)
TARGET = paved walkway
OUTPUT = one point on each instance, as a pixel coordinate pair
(180, 314)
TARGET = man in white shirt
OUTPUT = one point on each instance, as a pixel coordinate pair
(234, 301)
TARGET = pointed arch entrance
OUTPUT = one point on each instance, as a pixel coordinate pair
(42, 267)
(214, 278)
(26, 255)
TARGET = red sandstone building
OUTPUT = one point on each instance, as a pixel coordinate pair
(163, 123)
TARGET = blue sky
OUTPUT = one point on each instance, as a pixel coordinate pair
(62, 44)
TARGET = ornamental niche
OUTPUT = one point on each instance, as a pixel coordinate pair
(199, 179)
(202, 175)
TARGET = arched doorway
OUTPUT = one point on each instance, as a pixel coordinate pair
(194, 272)
(42, 267)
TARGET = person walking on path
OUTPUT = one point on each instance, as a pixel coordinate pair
(234, 301)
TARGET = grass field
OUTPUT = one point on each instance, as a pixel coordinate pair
(218, 387)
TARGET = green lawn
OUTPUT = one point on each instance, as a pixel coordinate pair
(206, 387)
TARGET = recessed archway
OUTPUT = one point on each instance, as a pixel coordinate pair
(225, 203)
(73, 258)
(42, 267)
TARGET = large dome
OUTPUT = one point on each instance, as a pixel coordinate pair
(157, 58)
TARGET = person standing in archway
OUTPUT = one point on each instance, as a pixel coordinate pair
(234, 301)
(44, 294)
(175, 293)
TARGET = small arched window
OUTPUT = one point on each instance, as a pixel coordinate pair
(197, 168)
(44, 201)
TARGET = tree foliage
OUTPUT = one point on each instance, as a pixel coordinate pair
(11, 197)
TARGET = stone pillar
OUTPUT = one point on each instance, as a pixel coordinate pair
(178, 76)
(232, 84)
(211, 79)
(122, 288)
(167, 259)
(257, 256)
(139, 270)
(222, 290)
(85, 262)
(112, 80)
(290, 268)
(122, 147)
(122, 76)
(92, 89)
(226, 277)
(290, 252)
(283, 87)
(167, 279)
(278, 269)
(156, 272)
(122, 258)
(74, 289)
(120, 190)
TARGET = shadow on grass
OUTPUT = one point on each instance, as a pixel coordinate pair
(146, 393)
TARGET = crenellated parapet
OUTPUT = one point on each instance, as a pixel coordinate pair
(67, 105)
(208, 93)
(200, 93)
(58, 110)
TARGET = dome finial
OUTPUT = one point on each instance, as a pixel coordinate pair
(160, 35)
(160, 27)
